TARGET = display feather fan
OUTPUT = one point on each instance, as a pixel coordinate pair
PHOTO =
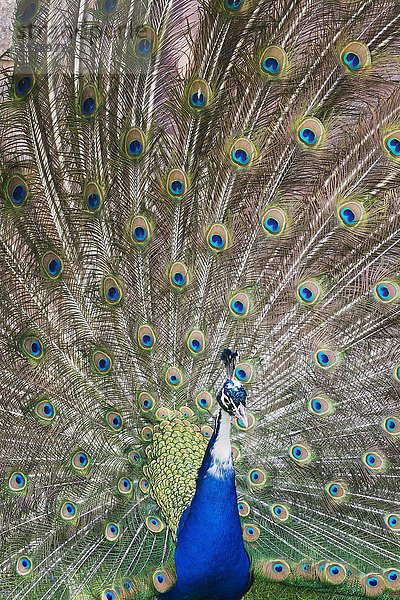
(179, 178)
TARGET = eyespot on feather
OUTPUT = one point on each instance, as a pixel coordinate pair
(280, 512)
(350, 213)
(32, 347)
(52, 265)
(274, 222)
(146, 433)
(391, 425)
(24, 565)
(144, 42)
(101, 362)
(396, 373)
(355, 57)
(392, 521)
(173, 377)
(198, 95)
(300, 453)
(134, 143)
(305, 569)
(154, 524)
(88, 101)
(108, 7)
(80, 461)
(278, 570)
(387, 291)
(125, 486)
(23, 82)
(44, 410)
(251, 532)
(326, 358)
(92, 197)
(240, 425)
(146, 337)
(186, 412)
(17, 482)
(204, 400)
(334, 573)
(111, 291)
(242, 153)
(373, 584)
(140, 230)
(243, 508)
(234, 6)
(112, 532)
(146, 402)
(392, 143)
(177, 183)
(239, 304)
(236, 454)
(375, 461)
(16, 190)
(273, 62)
(206, 431)
(163, 413)
(244, 372)
(309, 291)
(337, 491)
(196, 342)
(257, 477)
(218, 237)
(110, 593)
(392, 579)
(179, 276)
(320, 405)
(163, 580)
(310, 132)
(69, 511)
(114, 420)
(144, 486)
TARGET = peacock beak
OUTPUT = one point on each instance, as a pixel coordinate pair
(240, 413)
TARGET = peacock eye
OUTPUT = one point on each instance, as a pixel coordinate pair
(112, 291)
(393, 522)
(154, 524)
(251, 533)
(310, 132)
(173, 377)
(204, 400)
(234, 5)
(274, 222)
(68, 511)
(280, 512)
(146, 433)
(23, 84)
(387, 291)
(217, 237)
(146, 337)
(273, 61)
(24, 565)
(242, 153)
(140, 230)
(243, 508)
(101, 362)
(146, 401)
(257, 477)
(239, 304)
(392, 425)
(80, 461)
(27, 11)
(112, 532)
(163, 580)
(134, 143)
(300, 453)
(177, 183)
(179, 276)
(199, 94)
(326, 358)
(17, 481)
(355, 57)
(114, 420)
(374, 461)
(392, 144)
(196, 342)
(144, 42)
(88, 101)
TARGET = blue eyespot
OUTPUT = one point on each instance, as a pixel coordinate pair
(83, 460)
(393, 145)
(371, 459)
(179, 279)
(176, 187)
(241, 374)
(19, 479)
(26, 563)
(233, 4)
(89, 106)
(323, 359)
(306, 294)
(316, 405)
(143, 47)
(306, 567)
(113, 529)
(271, 65)
(372, 582)
(173, 379)
(126, 483)
(54, 266)
(128, 585)
(333, 489)
(254, 476)
(238, 307)
(117, 422)
(390, 424)
(198, 99)
(383, 291)
(308, 136)
(113, 293)
(28, 13)
(93, 201)
(135, 148)
(393, 521)
(352, 60)
(297, 452)
(147, 340)
(195, 345)
(48, 409)
(19, 194)
(278, 567)
(240, 156)
(348, 216)
(109, 6)
(217, 241)
(334, 570)
(146, 403)
(277, 510)
(36, 347)
(70, 508)
(110, 595)
(203, 402)
(23, 85)
(272, 225)
(103, 364)
(393, 575)
(140, 234)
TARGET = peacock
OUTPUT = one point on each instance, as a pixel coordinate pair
(199, 306)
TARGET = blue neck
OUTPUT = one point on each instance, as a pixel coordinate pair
(211, 561)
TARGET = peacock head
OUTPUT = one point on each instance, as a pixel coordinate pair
(232, 395)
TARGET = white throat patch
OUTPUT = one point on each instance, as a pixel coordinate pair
(221, 453)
